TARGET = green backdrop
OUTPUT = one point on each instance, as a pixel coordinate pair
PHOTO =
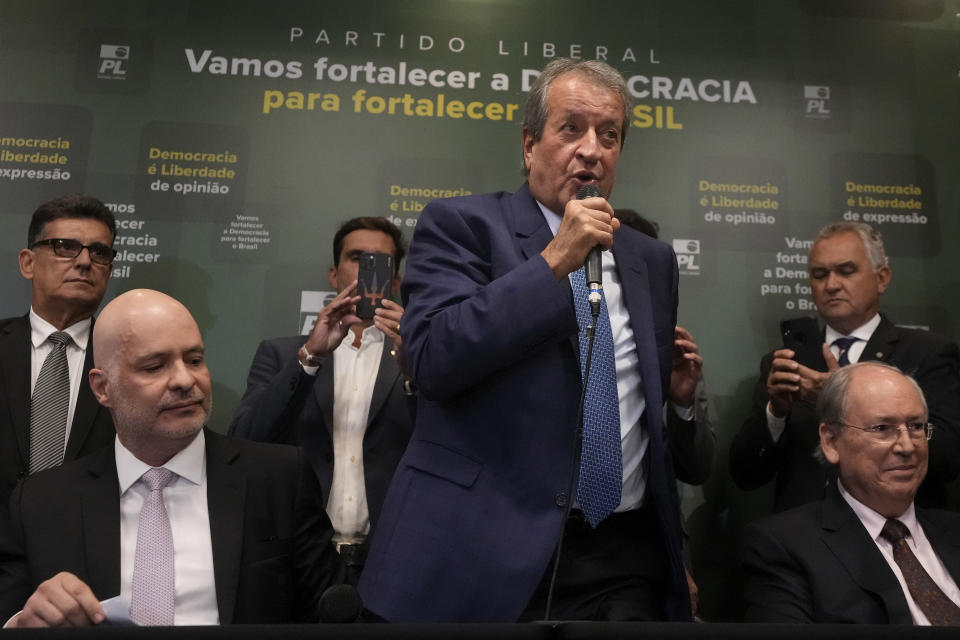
(232, 138)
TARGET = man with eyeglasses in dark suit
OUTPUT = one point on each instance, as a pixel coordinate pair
(47, 412)
(848, 273)
(865, 553)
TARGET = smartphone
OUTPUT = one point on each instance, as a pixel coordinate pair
(375, 282)
(802, 335)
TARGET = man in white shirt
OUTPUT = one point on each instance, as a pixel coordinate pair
(232, 533)
(340, 393)
(849, 272)
(68, 260)
(865, 553)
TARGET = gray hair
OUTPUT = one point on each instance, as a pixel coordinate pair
(600, 73)
(872, 240)
(833, 401)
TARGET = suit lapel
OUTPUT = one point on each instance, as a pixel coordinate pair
(15, 371)
(853, 548)
(882, 342)
(635, 289)
(86, 410)
(530, 227)
(387, 375)
(532, 234)
(226, 493)
(100, 506)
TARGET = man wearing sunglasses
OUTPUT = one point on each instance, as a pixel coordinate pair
(865, 553)
(47, 411)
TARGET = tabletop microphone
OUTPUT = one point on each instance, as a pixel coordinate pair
(340, 604)
(592, 268)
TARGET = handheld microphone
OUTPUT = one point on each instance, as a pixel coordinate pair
(592, 268)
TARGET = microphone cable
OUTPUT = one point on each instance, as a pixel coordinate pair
(590, 333)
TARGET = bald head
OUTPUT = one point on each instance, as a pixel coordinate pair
(151, 373)
(119, 321)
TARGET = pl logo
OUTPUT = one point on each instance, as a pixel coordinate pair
(688, 256)
(114, 62)
(816, 101)
(311, 302)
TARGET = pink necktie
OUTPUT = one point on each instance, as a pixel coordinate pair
(153, 593)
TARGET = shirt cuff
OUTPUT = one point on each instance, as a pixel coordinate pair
(684, 413)
(775, 425)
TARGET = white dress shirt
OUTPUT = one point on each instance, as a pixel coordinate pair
(354, 374)
(185, 499)
(40, 330)
(873, 522)
(864, 333)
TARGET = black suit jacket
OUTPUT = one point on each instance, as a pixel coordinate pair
(817, 563)
(272, 554)
(284, 404)
(92, 426)
(755, 459)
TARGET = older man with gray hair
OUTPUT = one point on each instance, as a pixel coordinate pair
(865, 553)
(849, 272)
(496, 473)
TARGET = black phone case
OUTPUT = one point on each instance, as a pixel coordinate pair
(802, 335)
(375, 282)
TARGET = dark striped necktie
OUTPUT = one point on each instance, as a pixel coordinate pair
(49, 406)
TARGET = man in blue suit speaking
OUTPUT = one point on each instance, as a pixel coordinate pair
(472, 520)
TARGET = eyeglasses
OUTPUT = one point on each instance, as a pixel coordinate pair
(887, 433)
(70, 248)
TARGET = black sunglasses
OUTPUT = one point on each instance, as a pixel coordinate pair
(70, 248)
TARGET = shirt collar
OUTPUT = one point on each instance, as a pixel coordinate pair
(553, 220)
(872, 521)
(863, 332)
(40, 330)
(188, 463)
(369, 336)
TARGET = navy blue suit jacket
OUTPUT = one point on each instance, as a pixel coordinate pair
(477, 504)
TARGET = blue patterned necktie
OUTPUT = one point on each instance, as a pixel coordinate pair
(844, 345)
(601, 464)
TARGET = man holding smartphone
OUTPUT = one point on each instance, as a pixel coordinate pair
(340, 392)
(849, 272)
